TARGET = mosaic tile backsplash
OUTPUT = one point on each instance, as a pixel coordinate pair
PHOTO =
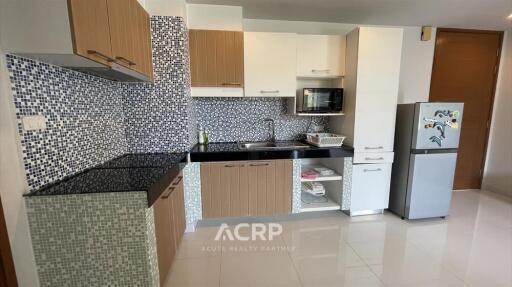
(158, 115)
(242, 119)
(84, 119)
(91, 120)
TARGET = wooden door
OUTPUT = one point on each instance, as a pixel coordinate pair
(123, 31)
(233, 189)
(216, 58)
(270, 68)
(90, 30)
(270, 187)
(224, 189)
(178, 209)
(164, 232)
(7, 271)
(465, 70)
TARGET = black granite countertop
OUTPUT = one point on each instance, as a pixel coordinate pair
(232, 152)
(151, 172)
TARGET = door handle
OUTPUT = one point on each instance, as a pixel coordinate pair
(372, 170)
(378, 147)
(269, 92)
(324, 70)
(258, 164)
(374, 158)
(130, 63)
(178, 179)
(233, 165)
(168, 192)
(231, 84)
(101, 55)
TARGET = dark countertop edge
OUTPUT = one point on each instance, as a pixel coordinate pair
(298, 153)
(153, 192)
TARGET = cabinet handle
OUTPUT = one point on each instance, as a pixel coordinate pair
(374, 158)
(178, 179)
(378, 147)
(324, 70)
(269, 92)
(168, 192)
(125, 60)
(231, 84)
(372, 170)
(231, 165)
(101, 55)
(258, 164)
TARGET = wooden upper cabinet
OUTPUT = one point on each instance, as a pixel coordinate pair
(216, 58)
(113, 31)
(90, 29)
(123, 31)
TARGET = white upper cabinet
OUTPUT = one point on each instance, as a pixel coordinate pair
(373, 56)
(378, 73)
(320, 56)
(270, 64)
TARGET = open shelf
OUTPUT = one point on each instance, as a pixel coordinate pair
(323, 206)
(333, 177)
(320, 114)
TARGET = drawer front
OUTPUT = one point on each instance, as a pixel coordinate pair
(373, 157)
(370, 186)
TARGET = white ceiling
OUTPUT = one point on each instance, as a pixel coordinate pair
(476, 14)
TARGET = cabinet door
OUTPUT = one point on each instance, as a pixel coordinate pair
(90, 29)
(370, 187)
(216, 58)
(224, 189)
(270, 187)
(321, 56)
(122, 31)
(270, 64)
(142, 41)
(178, 209)
(378, 72)
(164, 232)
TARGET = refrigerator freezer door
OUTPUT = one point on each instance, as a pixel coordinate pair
(437, 125)
(430, 185)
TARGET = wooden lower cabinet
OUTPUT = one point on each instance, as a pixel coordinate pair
(246, 188)
(169, 211)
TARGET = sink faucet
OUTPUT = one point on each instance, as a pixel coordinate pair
(272, 126)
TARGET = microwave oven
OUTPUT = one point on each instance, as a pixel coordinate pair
(320, 100)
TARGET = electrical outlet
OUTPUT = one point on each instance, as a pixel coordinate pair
(32, 123)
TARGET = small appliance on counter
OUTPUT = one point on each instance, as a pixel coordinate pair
(426, 142)
(320, 100)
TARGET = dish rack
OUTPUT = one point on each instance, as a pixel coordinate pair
(324, 139)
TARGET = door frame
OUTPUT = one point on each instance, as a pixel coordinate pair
(7, 270)
(495, 81)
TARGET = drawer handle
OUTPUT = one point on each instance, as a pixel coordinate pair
(378, 147)
(231, 84)
(232, 165)
(324, 70)
(177, 180)
(374, 158)
(270, 92)
(123, 59)
(259, 164)
(168, 192)
(372, 170)
(101, 55)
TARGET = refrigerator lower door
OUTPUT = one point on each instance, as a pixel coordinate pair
(430, 185)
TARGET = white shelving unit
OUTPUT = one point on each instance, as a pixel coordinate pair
(333, 184)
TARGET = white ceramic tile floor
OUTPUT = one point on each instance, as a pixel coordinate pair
(472, 248)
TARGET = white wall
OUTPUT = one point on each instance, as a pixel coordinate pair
(416, 67)
(301, 27)
(13, 185)
(498, 167)
(165, 7)
(214, 17)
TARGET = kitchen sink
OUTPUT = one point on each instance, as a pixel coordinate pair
(272, 145)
